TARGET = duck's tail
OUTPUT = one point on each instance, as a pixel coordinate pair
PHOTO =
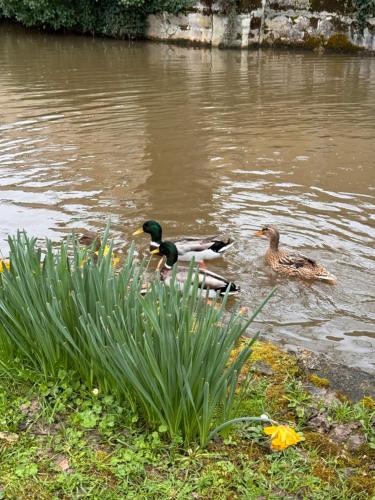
(327, 277)
(232, 289)
(222, 246)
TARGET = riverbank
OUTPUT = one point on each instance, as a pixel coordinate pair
(60, 439)
(319, 25)
(352, 382)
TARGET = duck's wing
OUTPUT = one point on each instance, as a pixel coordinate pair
(296, 260)
(188, 239)
(307, 268)
(185, 246)
(209, 280)
(213, 281)
(196, 245)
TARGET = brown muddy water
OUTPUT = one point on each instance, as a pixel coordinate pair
(203, 141)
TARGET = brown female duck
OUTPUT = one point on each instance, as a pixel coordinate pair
(93, 240)
(292, 264)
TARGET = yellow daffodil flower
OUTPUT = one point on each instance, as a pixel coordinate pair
(105, 251)
(4, 264)
(115, 260)
(282, 436)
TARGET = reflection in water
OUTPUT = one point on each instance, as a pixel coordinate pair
(204, 141)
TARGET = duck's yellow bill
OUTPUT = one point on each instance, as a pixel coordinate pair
(259, 233)
(138, 231)
(154, 252)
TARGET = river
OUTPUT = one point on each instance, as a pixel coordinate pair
(204, 141)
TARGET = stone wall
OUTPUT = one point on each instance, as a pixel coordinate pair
(314, 24)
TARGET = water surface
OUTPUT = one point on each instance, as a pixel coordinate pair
(204, 141)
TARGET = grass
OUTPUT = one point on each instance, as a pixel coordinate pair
(74, 442)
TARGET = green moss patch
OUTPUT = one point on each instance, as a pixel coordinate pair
(341, 43)
(368, 402)
(318, 381)
(363, 485)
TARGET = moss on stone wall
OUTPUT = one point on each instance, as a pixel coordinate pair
(336, 43)
(318, 381)
(313, 42)
(340, 42)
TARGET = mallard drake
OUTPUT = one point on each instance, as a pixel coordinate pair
(206, 248)
(289, 263)
(211, 282)
(90, 238)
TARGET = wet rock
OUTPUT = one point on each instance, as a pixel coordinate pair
(281, 28)
(320, 423)
(307, 360)
(348, 435)
(321, 393)
(299, 23)
(349, 471)
(290, 4)
(355, 442)
(62, 463)
(350, 381)
(302, 23)
(31, 408)
(325, 27)
(194, 27)
(262, 368)
(342, 432)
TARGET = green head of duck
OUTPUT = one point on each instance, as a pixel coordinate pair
(152, 228)
(169, 250)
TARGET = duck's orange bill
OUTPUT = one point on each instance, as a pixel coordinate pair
(138, 231)
(259, 233)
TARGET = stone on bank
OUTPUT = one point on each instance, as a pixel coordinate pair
(310, 24)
